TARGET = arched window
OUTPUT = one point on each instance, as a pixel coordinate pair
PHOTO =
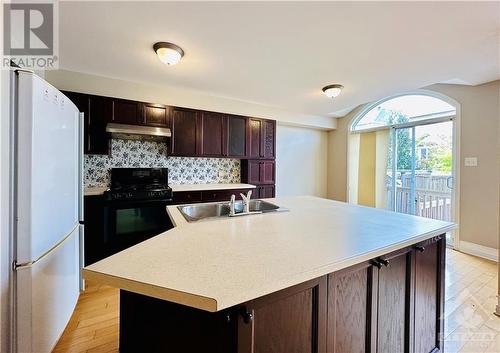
(402, 110)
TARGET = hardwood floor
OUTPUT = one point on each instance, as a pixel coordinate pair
(470, 326)
(471, 289)
(93, 328)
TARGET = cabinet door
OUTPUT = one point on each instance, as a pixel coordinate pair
(211, 134)
(186, 197)
(352, 295)
(269, 138)
(290, 321)
(99, 114)
(184, 132)
(236, 136)
(394, 293)
(253, 172)
(267, 171)
(266, 191)
(156, 115)
(255, 140)
(127, 112)
(429, 301)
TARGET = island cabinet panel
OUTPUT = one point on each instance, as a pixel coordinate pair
(428, 298)
(184, 132)
(155, 326)
(211, 130)
(390, 304)
(393, 309)
(351, 298)
(289, 321)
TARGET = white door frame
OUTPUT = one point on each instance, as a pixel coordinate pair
(455, 203)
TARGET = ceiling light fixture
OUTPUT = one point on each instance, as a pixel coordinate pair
(168, 53)
(332, 91)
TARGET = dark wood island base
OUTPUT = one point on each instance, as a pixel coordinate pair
(390, 304)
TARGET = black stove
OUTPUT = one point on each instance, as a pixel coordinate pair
(139, 184)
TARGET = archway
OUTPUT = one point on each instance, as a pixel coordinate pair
(403, 156)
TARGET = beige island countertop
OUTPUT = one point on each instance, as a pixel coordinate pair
(216, 264)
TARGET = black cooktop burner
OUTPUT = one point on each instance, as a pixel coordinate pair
(139, 184)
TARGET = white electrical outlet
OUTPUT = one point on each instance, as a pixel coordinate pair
(470, 161)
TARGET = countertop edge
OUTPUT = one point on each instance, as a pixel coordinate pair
(99, 190)
(171, 295)
(214, 305)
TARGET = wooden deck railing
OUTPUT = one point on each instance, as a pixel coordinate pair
(432, 195)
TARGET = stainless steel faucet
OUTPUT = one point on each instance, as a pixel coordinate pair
(246, 201)
(232, 202)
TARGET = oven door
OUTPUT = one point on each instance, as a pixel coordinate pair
(127, 223)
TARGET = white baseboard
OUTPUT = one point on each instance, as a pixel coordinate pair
(479, 250)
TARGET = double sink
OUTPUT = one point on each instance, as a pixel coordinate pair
(193, 213)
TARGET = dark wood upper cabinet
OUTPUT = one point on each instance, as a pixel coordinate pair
(211, 134)
(292, 320)
(126, 112)
(262, 138)
(269, 138)
(156, 115)
(184, 132)
(195, 133)
(255, 140)
(97, 113)
(236, 136)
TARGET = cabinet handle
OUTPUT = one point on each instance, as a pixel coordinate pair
(246, 315)
(420, 248)
(384, 262)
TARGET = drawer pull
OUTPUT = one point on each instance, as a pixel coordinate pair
(384, 262)
(246, 315)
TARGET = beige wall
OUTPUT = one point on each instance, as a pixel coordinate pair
(366, 176)
(479, 186)
(178, 96)
(301, 160)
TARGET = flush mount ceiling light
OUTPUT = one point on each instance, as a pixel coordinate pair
(332, 91)
(168, 53)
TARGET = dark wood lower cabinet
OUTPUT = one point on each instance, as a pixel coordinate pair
(429, 296)
(350, 305)
(390, 304)
(289, 321)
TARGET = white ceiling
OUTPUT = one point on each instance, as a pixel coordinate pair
(281, 54)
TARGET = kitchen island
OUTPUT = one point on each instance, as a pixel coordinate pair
(324, 277)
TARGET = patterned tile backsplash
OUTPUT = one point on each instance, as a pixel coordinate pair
(147, 154)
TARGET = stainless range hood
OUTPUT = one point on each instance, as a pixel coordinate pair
(137, 132)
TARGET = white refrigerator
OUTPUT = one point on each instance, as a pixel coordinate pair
(47, 219)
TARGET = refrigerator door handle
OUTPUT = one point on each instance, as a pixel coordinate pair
(20, 266)
(81, 151)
